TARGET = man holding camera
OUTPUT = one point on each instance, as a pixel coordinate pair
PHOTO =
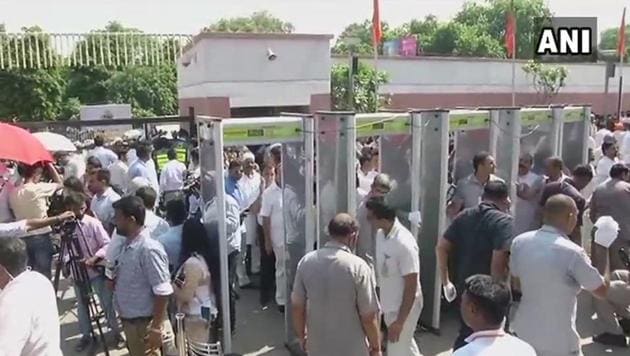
(89, 241)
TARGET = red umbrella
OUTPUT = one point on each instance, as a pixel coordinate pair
(17, 144)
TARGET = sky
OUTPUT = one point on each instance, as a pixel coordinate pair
(308, 16)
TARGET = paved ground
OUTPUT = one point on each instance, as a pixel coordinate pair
(262, 332)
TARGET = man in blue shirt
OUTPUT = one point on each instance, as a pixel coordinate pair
(172, 239)
(235, 173)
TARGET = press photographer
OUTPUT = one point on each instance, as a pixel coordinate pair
(86, 240)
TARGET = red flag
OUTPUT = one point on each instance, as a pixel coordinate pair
(510, 35)
(377, 31)
(621, 38)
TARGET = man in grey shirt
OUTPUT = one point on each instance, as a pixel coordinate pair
(469, 190)
(141, 280)
(552, 270)
(334, 297)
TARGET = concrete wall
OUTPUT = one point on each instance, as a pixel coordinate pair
(449, 82)
(236, 66)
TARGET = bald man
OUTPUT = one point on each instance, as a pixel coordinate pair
(552, 271)
(338, 287)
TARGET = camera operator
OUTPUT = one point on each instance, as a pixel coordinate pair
(89, 241)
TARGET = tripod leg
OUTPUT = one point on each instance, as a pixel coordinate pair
(95, 315)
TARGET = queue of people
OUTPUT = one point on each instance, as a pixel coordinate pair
(357, 294)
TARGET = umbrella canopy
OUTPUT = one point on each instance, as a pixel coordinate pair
(55, 142)
(17, 144)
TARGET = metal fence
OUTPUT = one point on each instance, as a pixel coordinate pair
(85, 130)
(111, 49)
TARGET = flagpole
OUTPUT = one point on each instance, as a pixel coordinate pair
(621, 48)
(376, 96)
(513, 57)
(620, 98)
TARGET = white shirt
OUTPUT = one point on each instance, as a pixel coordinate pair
(494, 343)
(271, 207)
(525, 211)
(105, 155)
(13, 229)
(75, 167)
(145, 170)
(102, 207)
(29, 324)
(397, 255)
(118, 175)
(603, 169)
(172, 176)
(366, 180)
(625, 147)
(155, 225)
(250, 188)
(600, 135)
(131, 156)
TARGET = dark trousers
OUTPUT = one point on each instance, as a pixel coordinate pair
(232, 261)
(267, 271)
(40, 253)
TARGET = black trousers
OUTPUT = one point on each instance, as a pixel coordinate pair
(267, 271)
(232, 261)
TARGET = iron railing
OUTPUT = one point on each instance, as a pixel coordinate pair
(110, 49)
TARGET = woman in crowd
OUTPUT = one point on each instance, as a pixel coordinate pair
(193, 285)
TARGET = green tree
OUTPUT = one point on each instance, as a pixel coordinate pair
(546, 79)
(357, 37)
(490, 18)
(31, 94)
(151, 91)
(260, 22)
(365, 83)
(444, 39)
(472, 41)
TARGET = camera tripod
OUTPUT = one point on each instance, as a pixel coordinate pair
(78, 271)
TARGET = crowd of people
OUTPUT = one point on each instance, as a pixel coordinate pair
(135, 234)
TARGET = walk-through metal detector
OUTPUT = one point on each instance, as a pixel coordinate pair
(433, 129)
(296, 136)
(399, 150)
(576, 121)
(505, 135)
(336, 170)
(470, 130)
(540, 135)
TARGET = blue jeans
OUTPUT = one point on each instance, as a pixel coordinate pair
(40, 253)
(105, 298)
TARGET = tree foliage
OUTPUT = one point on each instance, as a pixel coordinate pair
(365, 81)
(546, 79)
(260, 21)
(477, 30)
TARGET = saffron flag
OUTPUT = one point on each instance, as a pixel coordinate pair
(377, 31)
(510, 35)
(621, 38)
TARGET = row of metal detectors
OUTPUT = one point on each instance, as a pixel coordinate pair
(422, 151)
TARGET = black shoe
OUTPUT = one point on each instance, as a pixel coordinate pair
(119, 342)
(625, 325)
(281, 309)
(83, 344)
(611, 340)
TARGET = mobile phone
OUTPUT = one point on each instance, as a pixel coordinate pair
(205, 313)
